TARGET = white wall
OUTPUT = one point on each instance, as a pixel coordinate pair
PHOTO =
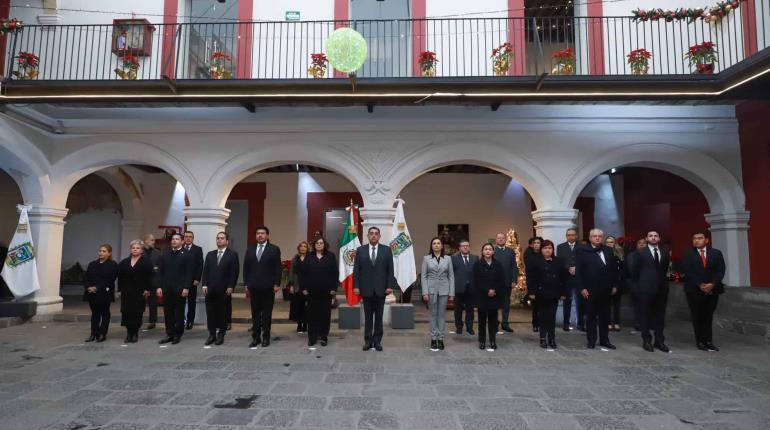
(85, 232)
(607, 192)
(162, 202)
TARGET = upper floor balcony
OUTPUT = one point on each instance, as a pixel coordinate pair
(133, 60)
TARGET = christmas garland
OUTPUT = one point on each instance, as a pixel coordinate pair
(709, 14)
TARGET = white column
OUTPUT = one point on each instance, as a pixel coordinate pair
(47, 228)
(132, 229)
(552, 224)
(729, 234)
(380, 217)
(205, 223)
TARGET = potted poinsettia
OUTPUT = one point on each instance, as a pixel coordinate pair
(219, 69)
(639, 60)
(564, 62)
(129, 67)
(702, 56)
(9, 26)
(318, 65)
(28, 64)
(427, 61)
(501, 59)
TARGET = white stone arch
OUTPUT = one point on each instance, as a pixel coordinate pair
(492, 156)
(131, 205)
(25, 163)
(721, 189)
(243, 165)
(76, 165)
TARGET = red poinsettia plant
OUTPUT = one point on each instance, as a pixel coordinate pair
(427, 61)
(219, 69)
(129, 66)
(28, 64)
(702, 56)
(318, 65)
(501, 58)
(564, 56)
(639, 60)
(9, 26)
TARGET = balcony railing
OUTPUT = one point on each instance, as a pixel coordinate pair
(282, 50)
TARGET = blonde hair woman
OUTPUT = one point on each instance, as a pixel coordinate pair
(134, 285)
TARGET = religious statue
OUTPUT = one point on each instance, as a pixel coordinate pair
(520, 292)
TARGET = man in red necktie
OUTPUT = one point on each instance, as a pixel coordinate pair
(704, 269)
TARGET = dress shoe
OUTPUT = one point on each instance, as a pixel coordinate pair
(101, 338)
(440, 345)
(507, 329)
(647, 347)
(211, 339)
(324, 342)
(434, 345)
(662, 347)
(567, 327)
(90, 338)
(543, 343)
(493, 345)
(470, 331)
(254, 343)
(711, 347)
(220, 340)
(482, 345)
(459, 330)
(310, 343)
(590, 346)
(150, 326)
(265, 342)
(378, 347)
(176, 340)
(166, 339)
(188, 326)
(229, 326)
(608, 345)
(367, 347)
(135, 338)
(552, 343)
(535, 329)
(128, 339)
(702, 346)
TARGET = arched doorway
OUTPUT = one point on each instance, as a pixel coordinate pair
(10, 197)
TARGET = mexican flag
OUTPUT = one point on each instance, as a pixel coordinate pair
(348, 246)
(19, 268)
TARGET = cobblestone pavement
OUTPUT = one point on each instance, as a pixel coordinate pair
(50, 379)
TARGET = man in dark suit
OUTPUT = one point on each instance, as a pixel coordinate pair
(220, 274)
(154, 254)
(175, 272)
(566, 251)
(641, 245)
(262, 276)
(462, 264)
(373, 280)
(650, 290)
(597, 278)
(196, 259)
(704, 269)
(507, 258)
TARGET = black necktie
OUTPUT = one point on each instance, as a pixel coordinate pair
(656, 256)
(374, 255)
(465, 258)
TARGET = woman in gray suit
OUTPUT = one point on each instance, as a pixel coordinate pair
(438, 286)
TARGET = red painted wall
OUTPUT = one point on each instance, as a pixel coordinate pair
(596, 38)
(5, 10)
(419, 34)
(755, 164)
(319, 202)
(254, 193)
(658, 200)
(517, 37)
(170, 12)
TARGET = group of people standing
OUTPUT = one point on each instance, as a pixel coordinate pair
(593, 274)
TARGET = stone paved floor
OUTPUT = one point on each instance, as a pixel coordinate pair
(50, 379)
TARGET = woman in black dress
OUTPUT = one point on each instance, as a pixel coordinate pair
(488, 283)
(532, 256)
(615, 300)
(134, 286)
(298, 304)
(547, 283)
(319, 284)
(99, 285)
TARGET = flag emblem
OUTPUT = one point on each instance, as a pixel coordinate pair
(400, 243)
(349, 256)
(20, 254)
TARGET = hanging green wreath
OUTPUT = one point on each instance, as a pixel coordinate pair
(710, 14)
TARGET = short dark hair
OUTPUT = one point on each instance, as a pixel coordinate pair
(546, 243)
(262, 227)
(703, 232)
(463, 241)
(189, 231)
(227, 235)
(177, 234)
(326, 243)
(373, 228)
(430, 247)
(652, 231)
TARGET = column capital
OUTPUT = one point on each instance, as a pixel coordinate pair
(729, 221)
(555, 217)
(47, 215)
(212, 216)
(380, 217)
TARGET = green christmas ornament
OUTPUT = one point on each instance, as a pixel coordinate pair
(346, 50)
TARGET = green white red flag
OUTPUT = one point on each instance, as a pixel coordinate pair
(348, 246)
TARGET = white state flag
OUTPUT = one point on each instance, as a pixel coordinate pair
(403, 251)
(20, 267)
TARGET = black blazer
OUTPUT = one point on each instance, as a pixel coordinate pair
(649, 276)
(175, 271)
(102, 276)
(488, 277)
(371, 280)
(320, 277)
(196, 260)
(133, 282)
(567, 255)
(695, 274)
(265, 273)
(507, 259)
(219, 277)
(463, 274)
(547, 279)
(154, 254)
(592, 274)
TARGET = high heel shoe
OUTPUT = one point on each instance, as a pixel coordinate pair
(543, 343)
(91, 338)
(552, 343)
(128, 338)
(101, 338)
(482, 345)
